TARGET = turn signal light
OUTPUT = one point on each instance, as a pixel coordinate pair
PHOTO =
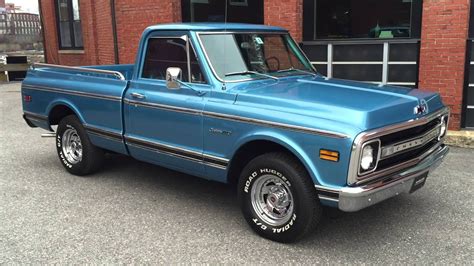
(328, 155)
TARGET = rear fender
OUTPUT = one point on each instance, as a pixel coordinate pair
(69, 104)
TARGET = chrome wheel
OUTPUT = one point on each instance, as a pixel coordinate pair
(72, 146)
(272, 200)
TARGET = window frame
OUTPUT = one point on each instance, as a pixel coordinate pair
(188, 59)
(70, 24)
(310, 20)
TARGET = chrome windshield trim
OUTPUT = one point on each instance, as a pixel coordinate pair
(304, 54)
(352, 177)
(199, 33)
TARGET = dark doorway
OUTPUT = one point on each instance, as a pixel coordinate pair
(244, 11)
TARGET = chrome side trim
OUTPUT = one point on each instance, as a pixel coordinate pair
(210, 160)
(239, 119)
(103, 133)
(163, 107)
(81, 69)
(72, 92)
(276, 125)
(352, 178)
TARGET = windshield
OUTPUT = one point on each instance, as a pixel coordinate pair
(237, 56)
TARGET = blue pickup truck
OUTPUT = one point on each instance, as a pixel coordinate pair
(242, 104)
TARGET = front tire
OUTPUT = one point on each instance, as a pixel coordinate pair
(278, 198)
(76, 153)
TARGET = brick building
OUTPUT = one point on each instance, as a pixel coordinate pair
(415, 43)
(2, 7)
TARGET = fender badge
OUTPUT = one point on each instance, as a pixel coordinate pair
(220, 131)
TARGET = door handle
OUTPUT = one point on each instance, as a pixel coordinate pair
(137, 95)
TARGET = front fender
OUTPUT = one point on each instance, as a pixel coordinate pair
(285, 141)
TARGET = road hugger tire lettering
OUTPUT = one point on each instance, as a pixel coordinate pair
(75, 151)
(277, 197)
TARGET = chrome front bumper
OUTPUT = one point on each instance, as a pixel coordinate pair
(352, 199)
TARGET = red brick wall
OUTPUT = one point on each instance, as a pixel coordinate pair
(103, 35)
(2, 3)
(88, 56)
(443, 50)
(287, 14)
(133, 16)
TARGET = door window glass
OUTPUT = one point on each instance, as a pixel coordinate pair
(163, 53)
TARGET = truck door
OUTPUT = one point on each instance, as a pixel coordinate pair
(164, 126)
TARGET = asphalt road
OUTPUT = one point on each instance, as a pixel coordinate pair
(133, 212)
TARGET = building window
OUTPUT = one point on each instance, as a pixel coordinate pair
(245, 11)
(362, 19)
(163, 53)
(69, 24)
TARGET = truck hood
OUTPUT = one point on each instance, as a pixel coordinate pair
(363, 105)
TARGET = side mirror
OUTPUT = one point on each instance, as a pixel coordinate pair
(173, 78)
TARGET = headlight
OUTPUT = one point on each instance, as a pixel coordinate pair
(444, 127)
(369, 156)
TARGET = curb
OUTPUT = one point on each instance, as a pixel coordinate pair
(463, 138)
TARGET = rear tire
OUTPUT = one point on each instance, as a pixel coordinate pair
(76, 153)
(278, 198)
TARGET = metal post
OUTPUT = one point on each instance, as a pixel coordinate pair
(386, 52)
(189, 59)
(330, 55)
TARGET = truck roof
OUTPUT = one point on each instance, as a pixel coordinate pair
(211, 26)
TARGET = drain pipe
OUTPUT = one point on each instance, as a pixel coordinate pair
(40, 9)
(114, 32)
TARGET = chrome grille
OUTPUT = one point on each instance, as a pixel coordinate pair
(413, 143)
(401, 145)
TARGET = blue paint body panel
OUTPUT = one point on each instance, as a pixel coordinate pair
(187, 122)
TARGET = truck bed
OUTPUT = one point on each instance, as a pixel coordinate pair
(95, 90)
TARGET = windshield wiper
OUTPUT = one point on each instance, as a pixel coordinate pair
(295, 69)
(250, 72)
